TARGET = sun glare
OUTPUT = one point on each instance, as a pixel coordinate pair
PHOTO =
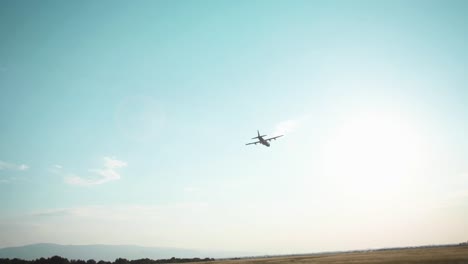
(373, 154)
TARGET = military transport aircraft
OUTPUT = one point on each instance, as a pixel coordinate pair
(263, 141)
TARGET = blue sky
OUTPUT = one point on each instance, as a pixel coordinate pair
(133, 116)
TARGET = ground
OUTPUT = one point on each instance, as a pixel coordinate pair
(446, 255)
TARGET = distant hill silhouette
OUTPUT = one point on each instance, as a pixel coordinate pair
(109, 252)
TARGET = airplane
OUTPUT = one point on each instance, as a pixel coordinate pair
(263, 141)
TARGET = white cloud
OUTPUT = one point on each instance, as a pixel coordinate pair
(113, 163)
(98, 176)
(286, 127)
(12, 166)
(23, 167)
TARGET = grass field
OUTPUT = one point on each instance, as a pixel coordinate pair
(446, 255)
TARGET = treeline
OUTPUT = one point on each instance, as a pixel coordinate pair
(60, 260)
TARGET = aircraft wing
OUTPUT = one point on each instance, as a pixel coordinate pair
(253, 143)
(269, 139)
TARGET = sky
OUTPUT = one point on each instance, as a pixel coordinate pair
(126, 123)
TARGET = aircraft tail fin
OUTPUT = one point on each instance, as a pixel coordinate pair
(258, 137)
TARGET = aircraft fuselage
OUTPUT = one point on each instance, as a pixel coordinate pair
(264, 142)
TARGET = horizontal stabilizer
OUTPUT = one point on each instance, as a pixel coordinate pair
(259, 137)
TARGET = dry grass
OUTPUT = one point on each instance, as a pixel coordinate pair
(446, 255)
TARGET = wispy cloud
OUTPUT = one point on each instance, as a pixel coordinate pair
(286, 127)
(12, 166)
(50, 213)
(122, 211)
(108, 173)
(90, 224)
